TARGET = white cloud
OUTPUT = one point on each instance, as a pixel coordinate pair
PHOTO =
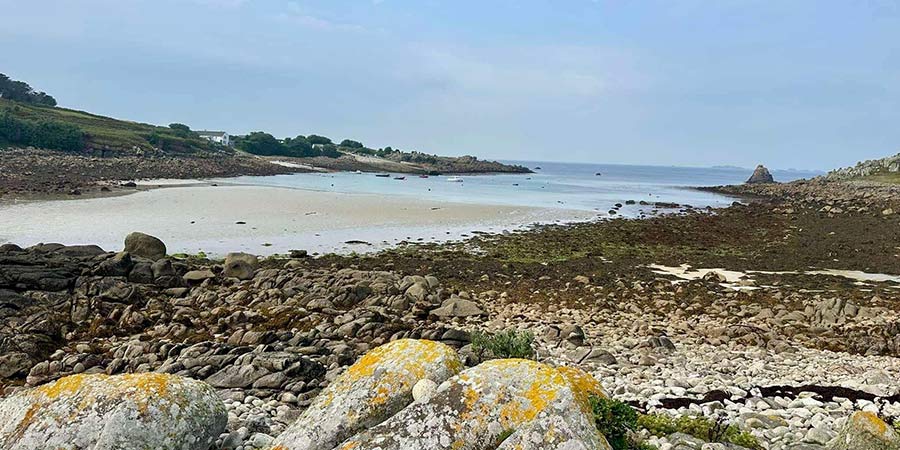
(297, 15)
(526, 72)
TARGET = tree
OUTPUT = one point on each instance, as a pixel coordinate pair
(330, 151)
(315, 139)
(260, 143)
(349, 143)
(180, 127)
(20, 91)
(299, 147)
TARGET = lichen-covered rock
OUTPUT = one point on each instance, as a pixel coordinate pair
(373, 389)
(123, 412)
(865, 431)
(476, 409)
(548, 433)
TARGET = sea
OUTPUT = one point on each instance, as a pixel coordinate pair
(573, 186)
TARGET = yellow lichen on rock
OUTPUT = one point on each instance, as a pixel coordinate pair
(583, 385)
(870, 421)
(120, 412)
(866, 431)
(473, 409)
(378, 385)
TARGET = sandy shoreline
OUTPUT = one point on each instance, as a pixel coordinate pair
(263, 220)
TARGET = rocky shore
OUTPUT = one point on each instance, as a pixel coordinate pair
(783, 322)
(26, 173)
(30, 172)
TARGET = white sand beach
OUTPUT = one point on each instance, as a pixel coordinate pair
(262, 220)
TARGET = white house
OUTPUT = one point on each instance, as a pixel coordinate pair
(216, 136)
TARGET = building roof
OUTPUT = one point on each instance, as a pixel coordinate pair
(211, 133)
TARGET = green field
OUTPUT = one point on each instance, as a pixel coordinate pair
(111, 134)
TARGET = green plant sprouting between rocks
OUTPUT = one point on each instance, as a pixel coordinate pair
(504, 344)
(617, 421)
(699, 427)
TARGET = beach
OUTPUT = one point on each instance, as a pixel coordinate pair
(263, 220)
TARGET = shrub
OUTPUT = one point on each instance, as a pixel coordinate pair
(505, 344)
(350, 143)
(615, 420)
(316, 139)
(699, 427)
(48, 134)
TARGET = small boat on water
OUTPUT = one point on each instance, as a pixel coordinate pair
(382, 175)
(423, 176)
(358, 172)
(455, 179)
(399, 178)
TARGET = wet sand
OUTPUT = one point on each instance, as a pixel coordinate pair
(263, 220)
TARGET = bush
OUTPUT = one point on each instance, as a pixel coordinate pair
(264, 144)
(505, 344)
(330, 151)
(47, 134)
(615, 420)
(698, 427)
(349, 143)
(57, 136)
(316, 139)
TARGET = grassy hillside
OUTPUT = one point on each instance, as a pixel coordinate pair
(105, 133)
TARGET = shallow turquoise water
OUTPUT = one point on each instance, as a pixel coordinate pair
(554, 185)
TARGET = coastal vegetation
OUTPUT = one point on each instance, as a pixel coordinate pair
(20, 91)
(54, 128)
(43, 133)
(702, 428)
(504, 344)
(264, 144)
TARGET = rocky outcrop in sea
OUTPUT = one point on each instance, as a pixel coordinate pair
(760, 175)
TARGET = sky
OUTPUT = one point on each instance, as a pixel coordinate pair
(789, 84)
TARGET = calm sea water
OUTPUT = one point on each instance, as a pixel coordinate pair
(554, 185)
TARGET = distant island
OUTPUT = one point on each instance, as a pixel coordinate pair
(37, 139)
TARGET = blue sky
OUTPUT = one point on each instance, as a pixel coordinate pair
(804, 84)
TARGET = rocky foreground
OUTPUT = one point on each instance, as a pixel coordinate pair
(753, 334)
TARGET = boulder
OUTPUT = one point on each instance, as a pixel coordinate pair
(123, 412)
(117, 266)
(373, 389)
(476, 408)
(457, 307)
(547, 433)
(761, 175)
(81, 251)
(865, 431)
(145, 246)
(195, 277)
(240, 265)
